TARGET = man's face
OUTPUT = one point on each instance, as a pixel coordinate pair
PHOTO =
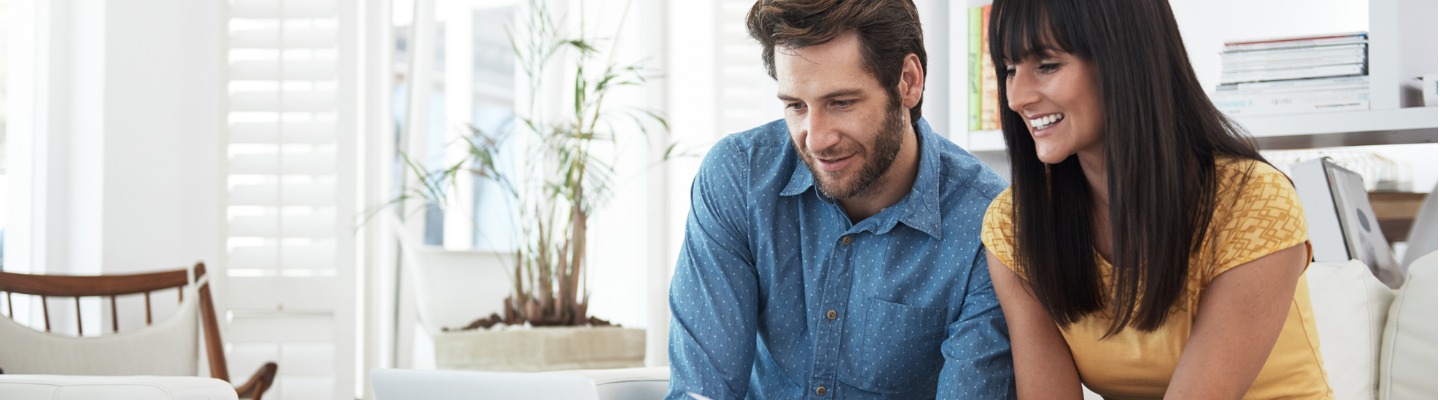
(845, 126)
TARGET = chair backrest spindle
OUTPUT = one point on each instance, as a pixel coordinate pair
(10, 303)
(79, 326)
(114, 319)
(147, 308)
(45, 309)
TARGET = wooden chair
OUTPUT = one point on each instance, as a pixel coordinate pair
(46, 286)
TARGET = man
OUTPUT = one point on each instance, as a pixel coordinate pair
(843, 259)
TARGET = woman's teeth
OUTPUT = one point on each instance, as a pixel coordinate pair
(1046, 121)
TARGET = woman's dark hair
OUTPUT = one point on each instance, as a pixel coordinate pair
(1161, 138)
(888, 30)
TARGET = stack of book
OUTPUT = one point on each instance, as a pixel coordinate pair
(1294, 75)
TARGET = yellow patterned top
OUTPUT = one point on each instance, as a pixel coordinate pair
(1252, 220)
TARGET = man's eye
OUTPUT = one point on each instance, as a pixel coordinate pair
(843, 103)
(794, 106)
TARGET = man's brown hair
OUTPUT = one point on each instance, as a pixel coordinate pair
(888, 30)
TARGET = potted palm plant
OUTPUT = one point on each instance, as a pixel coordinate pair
(554, 191)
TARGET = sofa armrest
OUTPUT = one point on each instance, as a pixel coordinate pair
(78, 387)
(627, 383)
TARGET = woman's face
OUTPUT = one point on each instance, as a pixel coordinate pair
(1058, 94)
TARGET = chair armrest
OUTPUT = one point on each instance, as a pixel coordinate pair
(258, 383)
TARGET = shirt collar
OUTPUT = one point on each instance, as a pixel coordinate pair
(920, 209)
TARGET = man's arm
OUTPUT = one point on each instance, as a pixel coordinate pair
(714, 296)
(977, 351)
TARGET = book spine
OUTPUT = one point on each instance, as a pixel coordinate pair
(975, 67)
(1299, 84)
(989, 88)
(1293, 103)
(1298, 38)
(1293, 73)
(1260, 65)
(1352, 50)
(1295, 43)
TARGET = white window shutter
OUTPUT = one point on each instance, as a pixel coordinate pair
(289, 273)
(746, 94)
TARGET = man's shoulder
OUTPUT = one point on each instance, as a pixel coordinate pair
(768, 141)
(963, 176)
(759, 154)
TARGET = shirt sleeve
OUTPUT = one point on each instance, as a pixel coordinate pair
(977, 350)
(714, 293)
(998, 231)
(1261, 216)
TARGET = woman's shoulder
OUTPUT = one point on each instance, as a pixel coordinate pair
(998, 230)
(1257, 213)
(1236, 176)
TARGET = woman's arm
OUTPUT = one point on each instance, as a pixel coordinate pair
(1043, 367)
(1240, 317)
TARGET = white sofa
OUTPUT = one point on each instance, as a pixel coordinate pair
(1376, 342)
(79, 387)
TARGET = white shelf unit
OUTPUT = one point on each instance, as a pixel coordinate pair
(1303, 131)
(1349, 128)
(1385, 123)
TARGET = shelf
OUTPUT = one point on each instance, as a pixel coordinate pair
(1305, 131)
(1345, 128)
(985, 141)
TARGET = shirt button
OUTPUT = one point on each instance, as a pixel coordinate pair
(820, 391)
(831, 314)
(845, 240)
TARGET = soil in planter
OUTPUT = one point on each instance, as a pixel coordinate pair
(496, 319)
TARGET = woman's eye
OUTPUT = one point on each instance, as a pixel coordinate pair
(1049, 67)
(1009, 71)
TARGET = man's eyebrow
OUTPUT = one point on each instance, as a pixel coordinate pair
(831, 95)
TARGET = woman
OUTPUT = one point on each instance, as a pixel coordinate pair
(1144, 248)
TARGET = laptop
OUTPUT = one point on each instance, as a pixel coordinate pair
(405, 384)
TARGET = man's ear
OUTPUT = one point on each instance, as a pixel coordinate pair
(912, 81)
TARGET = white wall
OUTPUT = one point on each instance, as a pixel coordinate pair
(162, 135)
(126, 169)
(132, 162)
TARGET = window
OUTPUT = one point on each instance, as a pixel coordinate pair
(470, 70)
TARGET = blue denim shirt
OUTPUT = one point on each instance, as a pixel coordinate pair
(777, 294)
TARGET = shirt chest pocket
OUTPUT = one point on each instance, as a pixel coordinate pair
(899, 347)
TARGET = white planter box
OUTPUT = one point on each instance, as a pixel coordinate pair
(541, 349)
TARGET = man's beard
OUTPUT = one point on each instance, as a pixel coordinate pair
(882, 155)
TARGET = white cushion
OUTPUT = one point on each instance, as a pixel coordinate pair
(1407, 358)
(1350, 306)
(55, 387)
(169, 347)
